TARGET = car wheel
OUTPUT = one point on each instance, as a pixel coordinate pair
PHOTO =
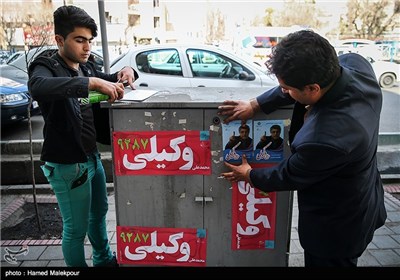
(387, 80)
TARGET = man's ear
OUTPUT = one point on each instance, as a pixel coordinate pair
(59, 40)
(313, 90)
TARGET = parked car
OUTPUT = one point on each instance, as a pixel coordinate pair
(179, 65)
(356, 43)
(387, 73)
(14, 56)
(14, 101)
(4, 56)
(16, 68)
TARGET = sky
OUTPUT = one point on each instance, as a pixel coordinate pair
(188, 11)
(190, 15)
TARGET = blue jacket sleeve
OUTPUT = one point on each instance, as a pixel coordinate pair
(272, 99)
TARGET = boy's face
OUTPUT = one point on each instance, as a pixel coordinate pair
(75, 48)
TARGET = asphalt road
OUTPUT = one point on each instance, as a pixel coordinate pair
(390, 119)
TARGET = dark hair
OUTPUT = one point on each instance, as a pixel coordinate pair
(66, 18)
(244, 126)
(304, 58)
(275, 126)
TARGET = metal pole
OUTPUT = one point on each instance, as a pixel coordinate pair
(104, 40)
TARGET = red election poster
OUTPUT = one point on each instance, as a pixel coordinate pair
(161, 246)
(162, 153)
(253, 217)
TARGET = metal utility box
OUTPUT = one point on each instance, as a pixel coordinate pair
(194, 201)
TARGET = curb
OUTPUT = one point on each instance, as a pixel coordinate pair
(40, 189)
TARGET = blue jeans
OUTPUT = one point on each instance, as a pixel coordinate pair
(81, 193)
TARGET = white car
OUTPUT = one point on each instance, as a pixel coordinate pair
(179, 65)
(387, 73)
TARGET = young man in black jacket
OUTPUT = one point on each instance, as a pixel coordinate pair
(333, 138)
(72, 162)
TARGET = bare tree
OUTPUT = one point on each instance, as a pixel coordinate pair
(302, 13)
(36, 21)
(215, 27)
(11, 19)
(370, 19)
(41, 32)
(39, 25)
(268, 18)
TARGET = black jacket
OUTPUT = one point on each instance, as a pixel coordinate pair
(57, 88)
(333, 165)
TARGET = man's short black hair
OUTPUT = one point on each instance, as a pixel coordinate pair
(66, 18)
(303, 58)
(244, 126)
(275, 126)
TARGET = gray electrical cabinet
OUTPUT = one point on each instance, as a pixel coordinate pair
(194, 201)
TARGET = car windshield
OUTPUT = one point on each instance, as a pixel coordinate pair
(115, 61)
(14, 56)
(22, 60)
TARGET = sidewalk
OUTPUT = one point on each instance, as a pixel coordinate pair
(383, 251)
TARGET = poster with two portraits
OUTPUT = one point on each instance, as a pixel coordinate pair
(253, 211)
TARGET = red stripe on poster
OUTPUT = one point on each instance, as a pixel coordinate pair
(162, 153)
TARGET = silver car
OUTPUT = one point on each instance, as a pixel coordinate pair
(182, 65)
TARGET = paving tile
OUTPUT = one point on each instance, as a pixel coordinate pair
(34, 263)
(294, 234)
(110, 235)
(383, 230)
(386, 257)
(296, 260)
(6, 264)
(394, 216)
(111, 215)
(88, 251)
(89, 262)
(57, 263)
(385, 242)
(371, 246)
(111, 225)
(396, 237)
(295, 221)
(32, 254)
(52, 253)
(367, 259)
(113, 247)
(295, 247)
(113, 239)
(397, 251)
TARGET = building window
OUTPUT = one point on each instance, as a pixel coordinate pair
(156, 22)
